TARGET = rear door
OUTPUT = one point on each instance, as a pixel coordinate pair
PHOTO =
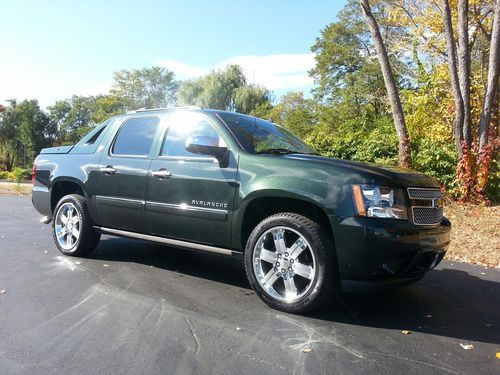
(192, 198)
(123, 170)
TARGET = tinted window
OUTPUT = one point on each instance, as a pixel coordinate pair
(136, 136)
(92, 139)
(259, 136)
(184, 125)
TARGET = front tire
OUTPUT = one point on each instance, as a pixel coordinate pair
(290, 263)
(72, 227)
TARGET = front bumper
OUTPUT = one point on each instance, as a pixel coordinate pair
(384, 252)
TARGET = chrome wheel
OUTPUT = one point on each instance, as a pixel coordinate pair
(67, 225)
(284, 264)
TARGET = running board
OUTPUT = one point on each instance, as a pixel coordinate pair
(167, 241)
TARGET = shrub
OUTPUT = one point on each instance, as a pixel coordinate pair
(19, 174)
(436, 159)
(3, 175)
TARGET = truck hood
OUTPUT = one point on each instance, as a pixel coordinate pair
(394, 176)
(57, 150)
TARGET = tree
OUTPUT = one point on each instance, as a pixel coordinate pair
(248, 97)
(455, 83)
(57, 115)
(485, 148)
(224, 89)
(10, 144)
(345, 73)
(153, 87)
(464, 68)
(23, 132)
(293, 111)
(33, 126)
(390, 83)
(493, 75)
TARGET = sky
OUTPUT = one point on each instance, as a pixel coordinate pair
(52, 49)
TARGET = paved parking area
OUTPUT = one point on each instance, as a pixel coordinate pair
(139, 308)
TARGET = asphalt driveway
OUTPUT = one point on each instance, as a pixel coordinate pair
(139, 308)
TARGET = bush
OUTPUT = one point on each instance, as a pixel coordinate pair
(436, 159)
(19, 174)
(3, 175)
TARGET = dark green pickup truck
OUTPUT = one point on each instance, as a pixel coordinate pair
(306, 225)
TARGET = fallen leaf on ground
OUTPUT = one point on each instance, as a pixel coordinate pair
(467, 346)
(307, 350)
(498, 355)
(405, 332)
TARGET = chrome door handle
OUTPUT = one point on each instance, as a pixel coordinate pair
(162, 173)
(108, 170)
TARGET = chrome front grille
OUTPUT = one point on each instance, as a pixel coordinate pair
(427, 205)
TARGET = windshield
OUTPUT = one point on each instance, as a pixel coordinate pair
(258, 136)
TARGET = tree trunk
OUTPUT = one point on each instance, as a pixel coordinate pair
(464, 68)
(455, 85)
(390, 84)
(492, 85)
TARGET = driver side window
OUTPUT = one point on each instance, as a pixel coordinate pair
(182, 126)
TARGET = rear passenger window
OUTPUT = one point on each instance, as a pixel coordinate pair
(136, 136)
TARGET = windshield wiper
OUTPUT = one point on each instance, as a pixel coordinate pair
(281, 151)
(284, 151)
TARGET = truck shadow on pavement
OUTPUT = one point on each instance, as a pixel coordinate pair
(448, 301)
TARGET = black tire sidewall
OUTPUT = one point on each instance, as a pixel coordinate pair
(86, 229)
(319, 244)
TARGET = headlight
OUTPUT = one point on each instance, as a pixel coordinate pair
(379, 201)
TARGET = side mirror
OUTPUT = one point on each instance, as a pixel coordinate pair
(205, 145)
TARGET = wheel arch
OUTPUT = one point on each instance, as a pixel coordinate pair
(63, 186)
(261, 206)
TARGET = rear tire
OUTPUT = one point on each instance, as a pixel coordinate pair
(290, 263)
(72, 227)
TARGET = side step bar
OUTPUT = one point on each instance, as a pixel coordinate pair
(168, 241)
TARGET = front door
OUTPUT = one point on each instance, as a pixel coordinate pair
(122, 181)
(190, 196)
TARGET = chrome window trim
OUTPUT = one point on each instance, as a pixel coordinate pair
(189, 158)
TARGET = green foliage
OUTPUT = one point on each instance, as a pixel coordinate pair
(75, 117)
(350, 141)
(4, 175)
(294, 112)
(224, 89)
(493, 187)
(23, 129)
(348, 117)
(153, 87)
(19, 174)
(437, 159)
